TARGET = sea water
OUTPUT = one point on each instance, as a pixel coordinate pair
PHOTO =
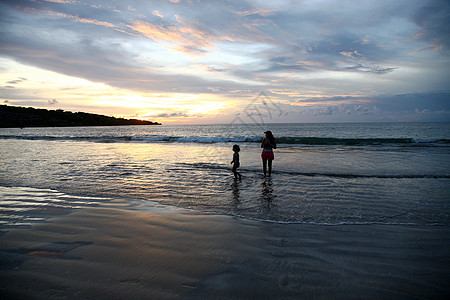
(355, 173)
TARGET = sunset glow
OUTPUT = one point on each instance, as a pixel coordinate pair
(181, 62)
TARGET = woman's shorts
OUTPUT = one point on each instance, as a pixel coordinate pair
(267, 155)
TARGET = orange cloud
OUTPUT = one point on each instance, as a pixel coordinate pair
(61, 1)
(158, 14)
(81, 20)
(351, 54)
(188, 38)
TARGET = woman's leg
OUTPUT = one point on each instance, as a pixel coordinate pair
(270, 167)
(264, 165)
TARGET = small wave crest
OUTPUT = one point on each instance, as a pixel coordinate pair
(99, 139)
(197, 139)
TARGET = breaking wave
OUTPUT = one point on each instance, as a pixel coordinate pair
(312, 141)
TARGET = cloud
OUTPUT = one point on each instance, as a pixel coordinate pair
(434, 22)
(351, 54)
(234, 51)
(81, 20)
(433, 101)
(414, 106)
(175, 115)
(98, 60)
(157, 13)
(190, 38)
(343, 109)
(165, 115)
(362, 110)
(260, 12)
(61, 1)
(52, 102)
(17, 81)
(369, 69)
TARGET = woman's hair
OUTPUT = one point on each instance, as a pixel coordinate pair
(270, 136)
(236, 148)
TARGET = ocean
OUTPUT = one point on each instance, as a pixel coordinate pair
(324, 174)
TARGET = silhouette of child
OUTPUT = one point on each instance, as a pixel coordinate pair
(235, 161)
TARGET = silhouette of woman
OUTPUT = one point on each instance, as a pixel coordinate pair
(268, 144)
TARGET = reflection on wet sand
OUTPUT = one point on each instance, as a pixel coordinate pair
(236, 193)
(267, 195)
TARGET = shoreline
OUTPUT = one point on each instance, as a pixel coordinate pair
(168, 253)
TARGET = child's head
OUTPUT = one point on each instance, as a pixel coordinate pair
(236, 148)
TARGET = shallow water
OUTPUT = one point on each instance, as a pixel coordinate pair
(323, 173)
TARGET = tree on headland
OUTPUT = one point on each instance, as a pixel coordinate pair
(15, 116)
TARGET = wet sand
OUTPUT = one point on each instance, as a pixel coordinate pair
(113, 253)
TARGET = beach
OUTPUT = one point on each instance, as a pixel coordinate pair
(225, 150)
(171, 253)
(351, 211)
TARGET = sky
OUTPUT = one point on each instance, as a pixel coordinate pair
(202, 62)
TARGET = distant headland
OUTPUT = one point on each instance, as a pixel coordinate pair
(16, 116)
